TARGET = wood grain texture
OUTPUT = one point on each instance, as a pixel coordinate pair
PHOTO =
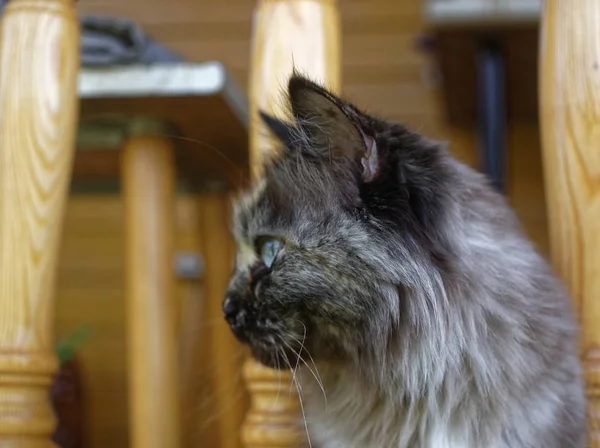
(289, 34)
(570, 124)
(38, 108)
(148, 180)
(301, 35)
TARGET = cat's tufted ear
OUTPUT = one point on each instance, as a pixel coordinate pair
(332, 126)
(285, 132)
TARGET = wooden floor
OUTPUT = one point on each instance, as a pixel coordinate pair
(382, 71)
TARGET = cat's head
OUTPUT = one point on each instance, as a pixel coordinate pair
(343, 229)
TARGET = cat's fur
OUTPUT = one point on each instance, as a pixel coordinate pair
(432, 320)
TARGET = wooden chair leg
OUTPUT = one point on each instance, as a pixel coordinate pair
(288, 34)
(148, 189)
(39, 61)
(570, 124)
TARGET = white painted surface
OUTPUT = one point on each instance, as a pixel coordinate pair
(152, 80)
(163, 80)
(481, 11)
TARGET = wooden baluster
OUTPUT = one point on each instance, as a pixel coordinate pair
(301, 34)
(39, 61)
(570, 124)
(230, 399)
(148, 188)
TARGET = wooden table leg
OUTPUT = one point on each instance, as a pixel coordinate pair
(288, 34)
(39, 61)
(148, 187)
(570, 124)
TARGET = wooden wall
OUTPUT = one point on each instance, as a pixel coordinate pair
(383, 71)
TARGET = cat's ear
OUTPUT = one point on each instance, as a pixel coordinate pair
(332, 126)
(285, 132)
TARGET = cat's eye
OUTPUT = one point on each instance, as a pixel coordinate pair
(268, 248)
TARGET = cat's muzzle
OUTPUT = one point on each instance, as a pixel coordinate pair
(257, 333)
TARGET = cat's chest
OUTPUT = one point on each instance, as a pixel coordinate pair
(355, 418)
(326, 434)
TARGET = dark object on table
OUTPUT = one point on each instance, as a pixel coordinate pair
(107, 41)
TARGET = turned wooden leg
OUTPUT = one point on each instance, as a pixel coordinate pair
(148, 189)
(218, 249)
(38, 109)
(570, 122)
(301, 34)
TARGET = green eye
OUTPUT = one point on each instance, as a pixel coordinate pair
(268, 249)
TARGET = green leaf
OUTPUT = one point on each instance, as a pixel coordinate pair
(68, 347)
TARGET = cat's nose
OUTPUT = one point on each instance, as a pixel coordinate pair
(230, 310)
(235, 317)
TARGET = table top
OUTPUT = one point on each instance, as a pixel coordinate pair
(199, 106)
(481, 12)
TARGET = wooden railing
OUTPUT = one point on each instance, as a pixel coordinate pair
(570, 122)
(288, 34)
(39, 60)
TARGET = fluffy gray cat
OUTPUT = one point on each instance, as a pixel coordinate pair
(406, 285)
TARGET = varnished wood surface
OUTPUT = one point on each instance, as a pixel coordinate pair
(287, 35)
(37, 127)
(570, 119)
(148, 180)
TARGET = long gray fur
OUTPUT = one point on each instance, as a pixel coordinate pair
(430, 318)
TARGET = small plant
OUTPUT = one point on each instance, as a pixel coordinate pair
(68, 347)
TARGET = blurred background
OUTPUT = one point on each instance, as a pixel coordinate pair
(402, 59)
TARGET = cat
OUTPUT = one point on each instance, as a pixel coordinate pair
(403, 281)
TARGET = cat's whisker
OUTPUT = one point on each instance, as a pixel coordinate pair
(303, 347)
(209, 400)
(289, 365)
(222, 411)
(216, 369)
(279, 373)
(316, 374)
(239, 171)
(220, 398)
(299, 391)
(319, 382)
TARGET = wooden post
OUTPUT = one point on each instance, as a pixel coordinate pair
(288, 34)
(148, 188)
(39, 61)
(570, 123)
